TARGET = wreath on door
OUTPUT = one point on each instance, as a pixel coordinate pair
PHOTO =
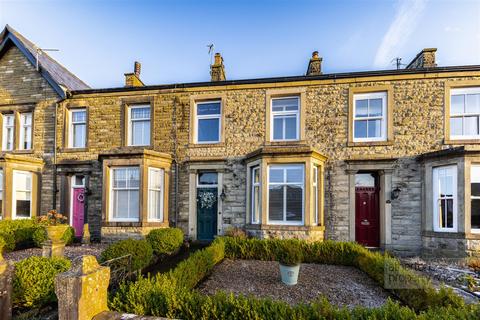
(207, 200)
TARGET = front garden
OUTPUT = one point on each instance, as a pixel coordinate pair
(238, 278)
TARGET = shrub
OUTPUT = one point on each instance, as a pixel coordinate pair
(165, 241)
(22, 231)
(236, 232)
(140, 251)
(9, 240)
(40, 236)
(33, 282)
(289, 253)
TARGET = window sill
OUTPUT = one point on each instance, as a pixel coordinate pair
(70, 150)
(30, 151)
(461, 141)
(207, 145)
(284, 227)
(369, 143)
(284, 142)
(137, 223)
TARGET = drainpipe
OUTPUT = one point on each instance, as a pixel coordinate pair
(54, 164)
(175, 157)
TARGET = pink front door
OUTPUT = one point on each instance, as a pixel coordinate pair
(78, 210)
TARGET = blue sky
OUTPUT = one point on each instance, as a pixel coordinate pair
(99, 40)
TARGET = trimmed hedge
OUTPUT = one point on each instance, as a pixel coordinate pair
(33, 282)
(171, 294)
(165, 241)
(40, 236)
(140, 250)
(20, 230)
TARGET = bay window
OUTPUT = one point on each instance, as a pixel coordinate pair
(155, 194)
(124, 194)
(208, 122)
(78, 128)
(22, 194)
(315, 195)
(445, 199)
(370, 117)
(475, 198)
(465, 113)
(25, 131)
(139, 125)
(286, 194)
(8, 131)
(285, 118)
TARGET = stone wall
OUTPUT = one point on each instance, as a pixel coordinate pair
(418, 127)
(23, 88)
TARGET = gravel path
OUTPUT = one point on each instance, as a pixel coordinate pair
(341, 285)
(71, 252)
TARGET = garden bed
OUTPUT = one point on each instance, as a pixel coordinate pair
(343, 286)
(71, 252)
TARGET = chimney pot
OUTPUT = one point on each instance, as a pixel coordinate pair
(315, 54)
(137, 68)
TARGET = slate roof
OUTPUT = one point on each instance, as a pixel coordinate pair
(56, 74)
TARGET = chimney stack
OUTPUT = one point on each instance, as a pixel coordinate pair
(423, 60)
(315, 65)
(217, 69)
(133, 79)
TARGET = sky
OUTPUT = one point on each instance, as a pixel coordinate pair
(98, 40)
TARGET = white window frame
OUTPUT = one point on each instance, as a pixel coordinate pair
(14, 193)
(2, 194)
(111, 189)
(288, 113)
(206, 117)
(463, 91)
(23, 128)
(161, 190)
(436, 197)
(71, 137)
(473, 230)
(302, 184)
(4, 130)
(254, 184)
(315, 193)
(130, 126)
(383, 119)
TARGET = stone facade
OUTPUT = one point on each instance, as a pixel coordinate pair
(416, 126)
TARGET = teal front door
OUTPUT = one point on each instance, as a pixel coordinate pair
(207, 206)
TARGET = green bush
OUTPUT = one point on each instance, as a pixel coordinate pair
(140, 251)
(289, 253)
(21, 229)
(9, 240)
(40, 236)
(171, 295)
(165, 241)
(33, 282)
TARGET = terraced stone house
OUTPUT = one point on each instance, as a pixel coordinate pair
(387, 158)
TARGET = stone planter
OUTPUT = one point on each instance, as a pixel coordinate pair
(289, 274)
(55, 233)
(54, 246)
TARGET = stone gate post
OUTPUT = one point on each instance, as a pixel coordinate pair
(82, 291)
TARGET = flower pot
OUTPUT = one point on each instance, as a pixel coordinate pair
(55, 233)
(289, 274)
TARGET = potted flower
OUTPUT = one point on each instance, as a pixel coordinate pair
(54, 224)
(289, 255)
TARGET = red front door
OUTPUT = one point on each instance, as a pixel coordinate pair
(367, 216)
(78, 210)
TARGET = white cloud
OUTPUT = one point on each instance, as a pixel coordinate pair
(403, 25)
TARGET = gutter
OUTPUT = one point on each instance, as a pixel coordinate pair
(54, 164)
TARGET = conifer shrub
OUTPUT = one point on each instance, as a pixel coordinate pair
(165, 241)
(140, 254)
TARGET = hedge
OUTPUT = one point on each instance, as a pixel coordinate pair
(33, 281)
(141, 253)
(18, 233)
(171, 294)
(40, 236)
(165, 241)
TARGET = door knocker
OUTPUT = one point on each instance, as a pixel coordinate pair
(81, 197)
